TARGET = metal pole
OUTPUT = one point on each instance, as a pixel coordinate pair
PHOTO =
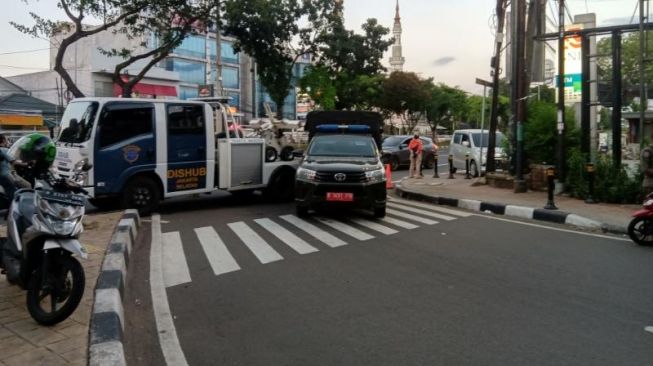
(520, 79)
(561, 96)
(643, 90)
(482, 134)
(616, 99)
(585, 97)
(496, 70)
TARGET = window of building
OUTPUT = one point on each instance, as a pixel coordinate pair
(103, 89)
(226, 51)
(189, 71)
(123, 121)
(192, 46)
(186, 92)
(230, 78)
(185, 119)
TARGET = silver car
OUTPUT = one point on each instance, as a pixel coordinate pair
(469, 142)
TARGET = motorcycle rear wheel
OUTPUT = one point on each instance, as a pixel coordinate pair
(640, 230)
(62, 290)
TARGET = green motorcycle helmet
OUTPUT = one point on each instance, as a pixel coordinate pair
(36, 148)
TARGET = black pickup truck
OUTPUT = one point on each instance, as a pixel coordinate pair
(341, 166)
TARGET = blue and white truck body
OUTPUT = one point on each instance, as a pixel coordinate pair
(146, 150)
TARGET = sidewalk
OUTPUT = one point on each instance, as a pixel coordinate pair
(25, 342)
(610, 217)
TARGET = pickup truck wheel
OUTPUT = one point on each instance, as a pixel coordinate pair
(142, 194)
(270, 154)
(286, 153)
(281, 187)
(379, 212)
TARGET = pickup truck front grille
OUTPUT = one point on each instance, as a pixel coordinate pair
(351, 177)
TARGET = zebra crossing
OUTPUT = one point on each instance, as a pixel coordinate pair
(328, 233)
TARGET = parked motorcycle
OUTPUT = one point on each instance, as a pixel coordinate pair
(43, 227)
(640, 228)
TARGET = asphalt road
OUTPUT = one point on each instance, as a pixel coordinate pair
(468, 290)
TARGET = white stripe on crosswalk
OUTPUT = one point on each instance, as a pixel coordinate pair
(344, 228)
(262, 250)
(175, 269)
(216, 252)
(410, 217)
(421, 212)
(403, 224)
(374, 226)
(431, 207)
(314, 231)
(293, 241)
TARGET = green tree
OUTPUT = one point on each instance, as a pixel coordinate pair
(269, 31)
(406, 95)
(540, 134)
(446, 105)
(353, 63)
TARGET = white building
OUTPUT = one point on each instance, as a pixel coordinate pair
(397, 60)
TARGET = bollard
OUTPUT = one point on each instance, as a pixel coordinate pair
(550, 176)
(590, 183)
(435, 165)
(451, 167)
(467, 175)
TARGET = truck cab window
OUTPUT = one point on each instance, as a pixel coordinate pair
(186, 120)
(122, 122)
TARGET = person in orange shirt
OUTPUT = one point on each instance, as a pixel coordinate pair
(415, 146)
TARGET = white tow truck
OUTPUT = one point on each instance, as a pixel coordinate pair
(143, 151)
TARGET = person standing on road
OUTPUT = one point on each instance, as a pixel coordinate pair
(415, 146)
(647, 169)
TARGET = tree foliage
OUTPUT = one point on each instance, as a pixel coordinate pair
(269, 31)
(629, 61)
(447, 105)
(405, 95)
(133, 19)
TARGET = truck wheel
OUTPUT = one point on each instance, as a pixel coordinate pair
(286, 153)
(142, 194)
(270, 154)
(379, 212)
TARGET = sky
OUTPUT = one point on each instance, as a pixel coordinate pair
(448, 40)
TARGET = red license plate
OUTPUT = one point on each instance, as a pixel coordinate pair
(340, 196)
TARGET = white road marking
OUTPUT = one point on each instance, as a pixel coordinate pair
(374, 226)
(345, 229)
(421, 212)
(431, 207)
(403, 224)
(649, 329)
(292, 240)
(410, 216)
(262, 250)
(175, 269)
(216, 252)
(554, 228)
(170, 347)
(314, 231)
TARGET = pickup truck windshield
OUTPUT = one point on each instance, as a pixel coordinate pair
(77, 122)
(343, 145)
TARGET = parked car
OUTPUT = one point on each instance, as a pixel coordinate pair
(469, 143)
(395, 151)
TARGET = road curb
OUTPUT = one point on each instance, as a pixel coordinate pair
(107, 319)
(555, 216)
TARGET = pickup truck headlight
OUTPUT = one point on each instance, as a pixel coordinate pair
(305, 174)
(375, 176)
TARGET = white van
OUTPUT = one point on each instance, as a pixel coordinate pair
(469, 142)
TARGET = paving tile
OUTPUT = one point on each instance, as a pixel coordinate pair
(77, 355)
(4, 332)
(68, 344)
(40, 356)
(13, 314)
(75, 329)
(5, 304)
(23, 325)
(42, 336)
(12, 346)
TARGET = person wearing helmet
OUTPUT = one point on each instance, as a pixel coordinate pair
(39, 150)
